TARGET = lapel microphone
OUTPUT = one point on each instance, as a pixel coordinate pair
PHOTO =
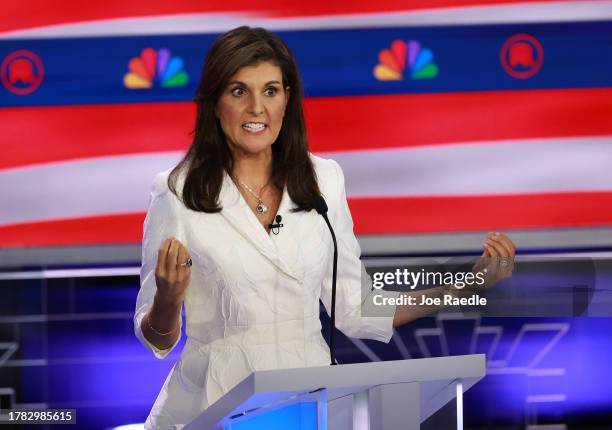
(275, 228)
(321, 207)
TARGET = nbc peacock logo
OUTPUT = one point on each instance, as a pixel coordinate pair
(155, 66)
(402, 55)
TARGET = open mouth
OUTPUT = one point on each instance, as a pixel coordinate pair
(254, 127)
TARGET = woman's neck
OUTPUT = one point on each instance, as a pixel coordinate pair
(253, 169)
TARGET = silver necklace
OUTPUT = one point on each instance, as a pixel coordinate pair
(261, 208)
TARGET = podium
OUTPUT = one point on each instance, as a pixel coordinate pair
(388, 395)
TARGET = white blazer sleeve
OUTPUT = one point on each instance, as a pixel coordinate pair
(353, 285)
(161, 222)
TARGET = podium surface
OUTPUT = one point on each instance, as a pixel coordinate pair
(385, 395)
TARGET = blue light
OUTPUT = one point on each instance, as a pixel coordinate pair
(301, 416)
(139, 426)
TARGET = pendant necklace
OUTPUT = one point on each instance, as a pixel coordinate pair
(261, 208)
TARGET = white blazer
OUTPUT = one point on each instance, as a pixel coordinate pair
(253, 299)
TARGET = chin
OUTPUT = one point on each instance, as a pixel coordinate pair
(255, 147)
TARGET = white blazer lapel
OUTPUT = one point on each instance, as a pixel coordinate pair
(236, 211)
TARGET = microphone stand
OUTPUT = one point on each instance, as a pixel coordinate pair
(321, 208)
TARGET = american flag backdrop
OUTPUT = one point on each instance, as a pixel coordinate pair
(453, 116)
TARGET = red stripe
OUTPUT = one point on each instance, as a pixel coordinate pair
(429, 119)
(44, 134)
(100, 230)
(477, 213)
(402, 215)
(34, 135)
(34, 13)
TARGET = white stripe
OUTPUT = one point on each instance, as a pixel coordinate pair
(71, 273)
(480, 168)
(121, 184)
(75, 189)
(563, 11)
(459, 397)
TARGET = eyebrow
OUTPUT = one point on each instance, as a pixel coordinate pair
(245, 85)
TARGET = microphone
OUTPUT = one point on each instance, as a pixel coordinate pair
(321, 207)
(276, 227)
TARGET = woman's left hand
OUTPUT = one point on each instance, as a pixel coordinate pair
(497, 260)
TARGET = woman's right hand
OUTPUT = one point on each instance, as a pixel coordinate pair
(171, 275)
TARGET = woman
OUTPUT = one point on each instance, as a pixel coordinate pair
(252, 296)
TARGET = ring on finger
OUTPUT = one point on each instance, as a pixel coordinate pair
(504, 262)
(187, 263)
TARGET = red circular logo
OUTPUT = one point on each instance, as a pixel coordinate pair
(522, 56)
(22, 72)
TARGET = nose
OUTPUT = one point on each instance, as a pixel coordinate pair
(256, 106)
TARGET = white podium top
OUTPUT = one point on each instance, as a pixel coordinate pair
(269, 389)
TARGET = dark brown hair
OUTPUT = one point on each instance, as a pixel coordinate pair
(209, 153)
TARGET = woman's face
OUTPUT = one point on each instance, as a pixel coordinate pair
(251, 108)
